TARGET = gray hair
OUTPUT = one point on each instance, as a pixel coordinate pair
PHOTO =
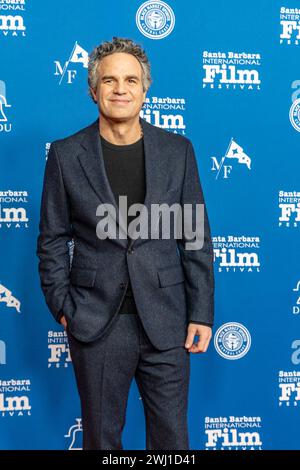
(110, 47)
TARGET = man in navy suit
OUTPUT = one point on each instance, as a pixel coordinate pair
(131, 304)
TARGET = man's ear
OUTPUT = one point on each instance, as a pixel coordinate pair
(94, 96)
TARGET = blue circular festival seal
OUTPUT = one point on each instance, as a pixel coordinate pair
(155, 20)
(295, 114)
(232, 340)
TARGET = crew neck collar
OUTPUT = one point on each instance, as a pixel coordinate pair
(112, 146)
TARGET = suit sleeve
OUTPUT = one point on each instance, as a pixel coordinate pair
(55, 231)
(197, 264)
(201, 323)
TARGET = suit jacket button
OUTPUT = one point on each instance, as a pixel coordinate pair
(130, 250)
(122, 285)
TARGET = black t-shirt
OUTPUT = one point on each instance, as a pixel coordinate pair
(125, 169)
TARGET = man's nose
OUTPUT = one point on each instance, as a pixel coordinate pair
(120, 88)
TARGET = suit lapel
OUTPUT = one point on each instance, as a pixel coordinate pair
(153, 170)
(92, 163)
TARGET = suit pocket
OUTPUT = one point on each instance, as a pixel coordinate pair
(83, 277)
(170, 196)
(170, 275)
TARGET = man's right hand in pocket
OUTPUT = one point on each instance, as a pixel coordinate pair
(63, 321)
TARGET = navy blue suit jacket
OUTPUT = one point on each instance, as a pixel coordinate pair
(171, 285)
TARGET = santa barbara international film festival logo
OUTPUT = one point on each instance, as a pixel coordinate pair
(238, 254)
(5, 125)
(289, 388)
(231, 70)
(78, 55)
(294, 113)
(14, 397)
(13, 213)
(10, 24)
(233, 433)
(289, 208)
(289, 380)
(296, 299)
(232, 341)
(290, 26)
(165, 112)
(59, 349)
(155, 20)
(234, 156)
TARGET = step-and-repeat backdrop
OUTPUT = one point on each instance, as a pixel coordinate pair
(226, 74)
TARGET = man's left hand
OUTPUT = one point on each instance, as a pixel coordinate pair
(205, 334)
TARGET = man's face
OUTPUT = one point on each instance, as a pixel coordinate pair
(119, 92)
